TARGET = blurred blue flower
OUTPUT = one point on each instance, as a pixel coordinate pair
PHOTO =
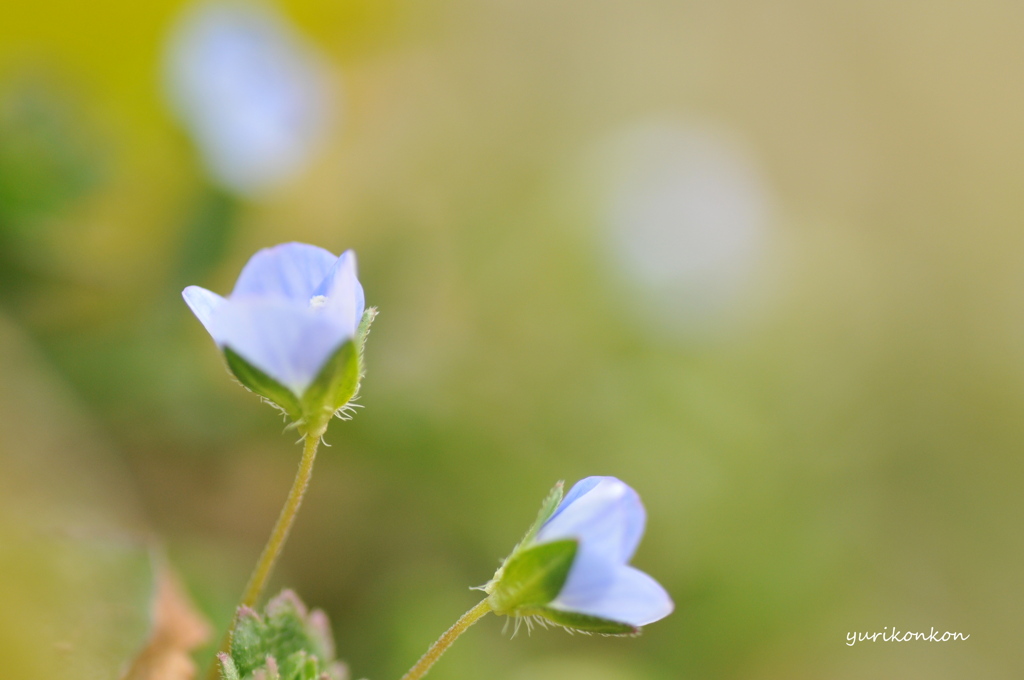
(250, 90)
(292, 307)
(607, 519)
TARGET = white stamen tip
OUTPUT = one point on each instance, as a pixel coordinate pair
(318, 301)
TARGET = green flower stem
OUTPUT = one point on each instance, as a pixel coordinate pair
(272, 550)
(446, 640)
(265, 565)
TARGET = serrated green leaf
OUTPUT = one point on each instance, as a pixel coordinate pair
(320, 640)
(279, 634)
(533, 577)
(299, 641)
(583, 622)
(268, 672)
(262, 384)
(335, 385)
(300, 666)
(249, 642)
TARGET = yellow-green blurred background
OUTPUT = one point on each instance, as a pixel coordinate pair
(815, 379)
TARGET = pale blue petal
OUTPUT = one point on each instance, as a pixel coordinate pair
(590, 576)
(290, 270)
(578, 489)
(288, 341)
(342, 289)
(203, 303)
(607, 518)
(632, 597)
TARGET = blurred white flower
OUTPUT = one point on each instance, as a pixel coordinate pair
(686, 216)
(253, 93)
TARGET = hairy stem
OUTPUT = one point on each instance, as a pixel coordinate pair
(446, 640)
(272, 550)
(279, 535)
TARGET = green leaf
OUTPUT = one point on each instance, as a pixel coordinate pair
(228, 670)
(533, 577)
(300, 666)
(582, 622)
(262, 384)
(249, 642)
(285, 643)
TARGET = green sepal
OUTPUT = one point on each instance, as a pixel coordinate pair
(533, 577)
(583, 622)
(255, 380)
(547, 508)
(364, 327)
(334, 386)
(339, 378)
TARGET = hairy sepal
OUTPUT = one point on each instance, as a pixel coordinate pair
(338, 381)
(547, 508)
(334, 386)
(255, 380)
(583, 623)
(532, 577)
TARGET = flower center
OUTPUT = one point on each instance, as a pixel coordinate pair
(317, 301)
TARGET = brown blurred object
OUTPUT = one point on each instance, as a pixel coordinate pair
(177, 629)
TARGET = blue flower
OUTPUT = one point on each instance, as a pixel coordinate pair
(573, 566)
(607, 518)
(293, 310)
(251, 91)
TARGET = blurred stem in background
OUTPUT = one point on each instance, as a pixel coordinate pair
(446, 640)
(265, 564)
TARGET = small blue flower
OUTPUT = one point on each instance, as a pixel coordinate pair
(573, 566)
(293, 308)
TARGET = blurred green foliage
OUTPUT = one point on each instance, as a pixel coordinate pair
(842, 453)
